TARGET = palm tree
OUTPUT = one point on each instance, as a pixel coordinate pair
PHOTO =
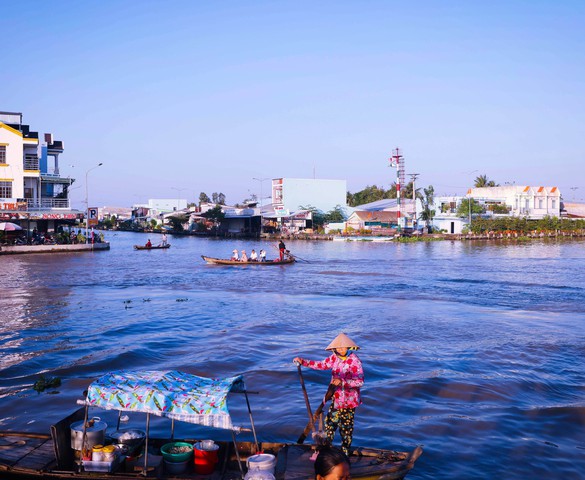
(482, 181)
(427, 214)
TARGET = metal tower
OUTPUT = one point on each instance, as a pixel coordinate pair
(397, 161)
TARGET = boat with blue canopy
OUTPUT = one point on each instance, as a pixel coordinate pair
(78, 446)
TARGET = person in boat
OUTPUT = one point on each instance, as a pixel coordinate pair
(244, 257)
(253, 256)
(262, 255)
(148, 244)
(347, 375)
(281, 249)
(235, 255)
(332, 464)
(164, 240)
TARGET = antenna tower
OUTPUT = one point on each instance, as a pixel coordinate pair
(397, 161)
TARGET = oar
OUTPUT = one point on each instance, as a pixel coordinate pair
(305, 394)
(296, 256)
(311, 423)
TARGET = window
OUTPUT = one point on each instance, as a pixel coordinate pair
(2, 154)
(554, 204)
(540, 204)
(5, 189)
(527, 204)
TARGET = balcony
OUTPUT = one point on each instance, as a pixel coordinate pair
(31, 162)
(47, 203)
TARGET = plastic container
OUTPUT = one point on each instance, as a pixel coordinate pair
(205, 457)
(91, 466)
(256, 474)
(175, 467)
(109, 452)
(177, 457)
(263, 461)
(97, 453)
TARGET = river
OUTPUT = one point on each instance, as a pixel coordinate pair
(473, 350)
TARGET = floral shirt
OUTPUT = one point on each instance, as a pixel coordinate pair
(351, 374)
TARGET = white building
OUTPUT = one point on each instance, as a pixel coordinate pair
(165, 205)
(446, 218)
(522, 201)
(292, 194)
(31, 187)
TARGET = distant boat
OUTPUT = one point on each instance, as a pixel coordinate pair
(152, 247)
(221, 261)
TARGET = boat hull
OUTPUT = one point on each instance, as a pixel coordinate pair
(221, 261)
(154, 247)
(32, 456)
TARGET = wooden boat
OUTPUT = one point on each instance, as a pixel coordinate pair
(221, 261)
(153, 247)
(50, 456)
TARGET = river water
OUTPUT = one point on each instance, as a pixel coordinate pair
(473, 350)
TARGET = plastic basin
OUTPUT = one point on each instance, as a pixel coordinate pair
(176, 457)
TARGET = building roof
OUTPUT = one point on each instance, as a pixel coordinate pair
(574, 210)
(384, 204)
(377, 216)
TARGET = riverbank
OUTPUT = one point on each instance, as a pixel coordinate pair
(29, 249)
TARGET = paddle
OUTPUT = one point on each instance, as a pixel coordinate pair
(296, 256)
(305, 394)
(311, 423)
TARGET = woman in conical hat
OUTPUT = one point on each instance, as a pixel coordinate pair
(347, 375)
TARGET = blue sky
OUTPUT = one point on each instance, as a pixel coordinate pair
(180, 97)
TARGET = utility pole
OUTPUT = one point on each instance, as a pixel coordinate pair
(413, 177)
(397, 161)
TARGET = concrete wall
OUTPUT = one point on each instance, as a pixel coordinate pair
(13, 171)
(324, 195)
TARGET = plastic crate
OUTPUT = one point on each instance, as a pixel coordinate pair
(109, 467)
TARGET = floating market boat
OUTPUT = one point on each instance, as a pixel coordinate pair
(221, 261)
(71, 450)
(152, 247)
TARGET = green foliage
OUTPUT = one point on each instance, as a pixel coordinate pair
(203, 198)
(463, 209)
(523, 226)
(177, 222)
(337, 215)
(374, 193)
(428, 199)
(215, 214)
(44, 383)
(483, 181)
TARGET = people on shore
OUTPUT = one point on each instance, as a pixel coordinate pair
(243, 257)
(332, 464)
(253, 256)
(347, 376)
(281, 249)
(262, 255)
(235, 255)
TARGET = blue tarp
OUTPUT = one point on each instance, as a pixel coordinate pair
(176, 395)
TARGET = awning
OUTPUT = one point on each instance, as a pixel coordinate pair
(176, 395)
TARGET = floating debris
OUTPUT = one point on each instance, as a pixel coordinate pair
(182, 299)
(43, 383)
(146, 299)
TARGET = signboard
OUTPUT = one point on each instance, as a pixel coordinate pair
(92, 216)
(281, 212)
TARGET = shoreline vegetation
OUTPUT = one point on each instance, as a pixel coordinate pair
(503, 228)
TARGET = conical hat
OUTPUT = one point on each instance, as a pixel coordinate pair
(342, 340)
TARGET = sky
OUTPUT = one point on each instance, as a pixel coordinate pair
(181, 97)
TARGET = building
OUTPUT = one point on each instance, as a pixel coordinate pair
(166, 205)
(292, 194)
(31, 187)
(520, 201)
(377, 221)
(445, 218)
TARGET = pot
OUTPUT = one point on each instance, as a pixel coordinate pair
(95, 433)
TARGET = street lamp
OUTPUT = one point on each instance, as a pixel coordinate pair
(179, 190)
(87, 203)
(261, 180)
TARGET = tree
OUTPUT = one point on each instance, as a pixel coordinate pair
(464, 208)
(177, 222)
(318, 216)
(427, 213)
(203, 198)
(215, 214)
(336, 215)
(482, 181)
(221, 199)
(215, 197)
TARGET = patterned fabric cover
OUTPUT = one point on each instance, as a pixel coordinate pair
(171, 394)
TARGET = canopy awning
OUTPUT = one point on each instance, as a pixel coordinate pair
(176, 395)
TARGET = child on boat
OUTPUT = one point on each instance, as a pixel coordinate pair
(235, 255)
(332, 464)
(348, 376)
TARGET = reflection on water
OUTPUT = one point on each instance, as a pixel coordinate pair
(474, 350)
